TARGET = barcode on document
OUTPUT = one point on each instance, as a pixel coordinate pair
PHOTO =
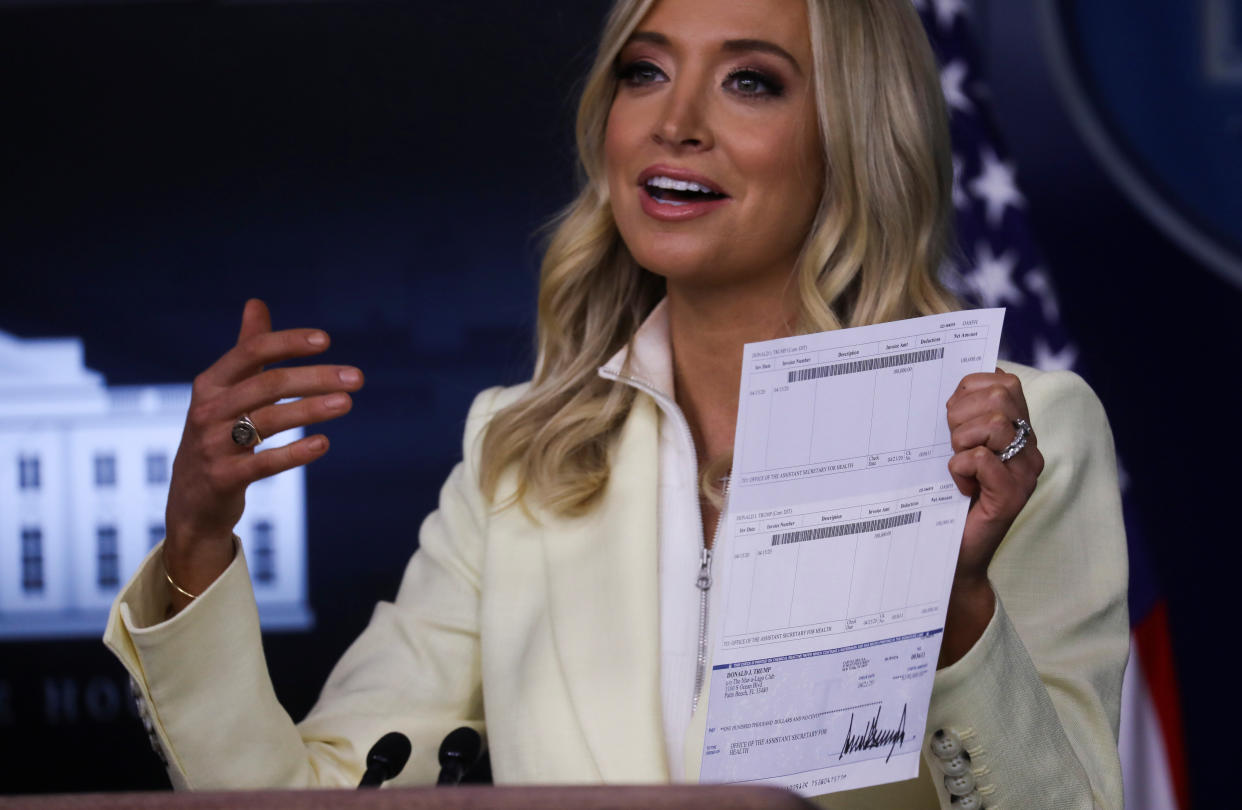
(842, 529)
(869, 364)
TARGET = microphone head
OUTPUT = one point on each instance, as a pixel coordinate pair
(461, 745)
(389, 755)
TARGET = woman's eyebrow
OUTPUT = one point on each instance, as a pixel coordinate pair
(763, 46)
(730, 45)
(647, 36)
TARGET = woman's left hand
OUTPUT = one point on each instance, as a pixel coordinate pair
(982, 415)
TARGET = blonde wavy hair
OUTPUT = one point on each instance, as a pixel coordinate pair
(882, 229)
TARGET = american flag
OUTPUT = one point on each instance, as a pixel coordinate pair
(999, 265)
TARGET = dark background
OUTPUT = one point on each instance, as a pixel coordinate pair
(379, 170)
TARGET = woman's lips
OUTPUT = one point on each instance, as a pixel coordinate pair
(673, 194)
(677, 210)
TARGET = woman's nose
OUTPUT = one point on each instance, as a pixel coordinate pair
(683, 120)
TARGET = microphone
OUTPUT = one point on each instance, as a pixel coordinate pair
(386, 759)
(458, 754)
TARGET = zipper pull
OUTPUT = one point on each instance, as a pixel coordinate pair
(705, 569)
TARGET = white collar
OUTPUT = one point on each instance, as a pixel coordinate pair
(647, 360)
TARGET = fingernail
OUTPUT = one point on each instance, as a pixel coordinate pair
(317, 339)
(317, 443)
(336, 402)
(351, 376)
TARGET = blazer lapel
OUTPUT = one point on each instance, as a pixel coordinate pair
(604, 596)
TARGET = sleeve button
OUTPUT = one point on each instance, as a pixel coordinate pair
(971, 801)
(960, 785)
(957, 766)
(945, 744)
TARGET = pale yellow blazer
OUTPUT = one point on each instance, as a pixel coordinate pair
(546, 633)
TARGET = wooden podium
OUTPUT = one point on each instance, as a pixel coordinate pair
(671, 797)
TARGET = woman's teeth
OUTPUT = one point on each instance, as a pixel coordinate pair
(678, 185)
(679, 192)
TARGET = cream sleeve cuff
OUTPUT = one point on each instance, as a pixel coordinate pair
(993, 701)
(200, 675)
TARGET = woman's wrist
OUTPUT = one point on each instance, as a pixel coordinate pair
(191, 565)
(971, 607)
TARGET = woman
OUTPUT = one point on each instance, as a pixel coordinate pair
(753, 169)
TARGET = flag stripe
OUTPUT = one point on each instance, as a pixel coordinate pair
(1155, 653)
(1146, 778)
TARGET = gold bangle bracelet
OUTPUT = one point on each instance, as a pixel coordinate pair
(178, 588)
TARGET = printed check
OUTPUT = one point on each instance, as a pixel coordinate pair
(840, 541)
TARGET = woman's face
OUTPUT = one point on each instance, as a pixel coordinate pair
(712, 148)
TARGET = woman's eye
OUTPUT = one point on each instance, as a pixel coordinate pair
(749, 82)
(639, 73)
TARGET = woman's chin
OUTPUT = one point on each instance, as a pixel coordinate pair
(707, 271)
(680, 259)
(686, 273)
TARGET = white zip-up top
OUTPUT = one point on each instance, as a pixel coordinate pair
(685, 608)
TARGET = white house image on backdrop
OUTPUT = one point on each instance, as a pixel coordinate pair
(84, 473)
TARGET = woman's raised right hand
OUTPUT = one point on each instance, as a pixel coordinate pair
(207, 492)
